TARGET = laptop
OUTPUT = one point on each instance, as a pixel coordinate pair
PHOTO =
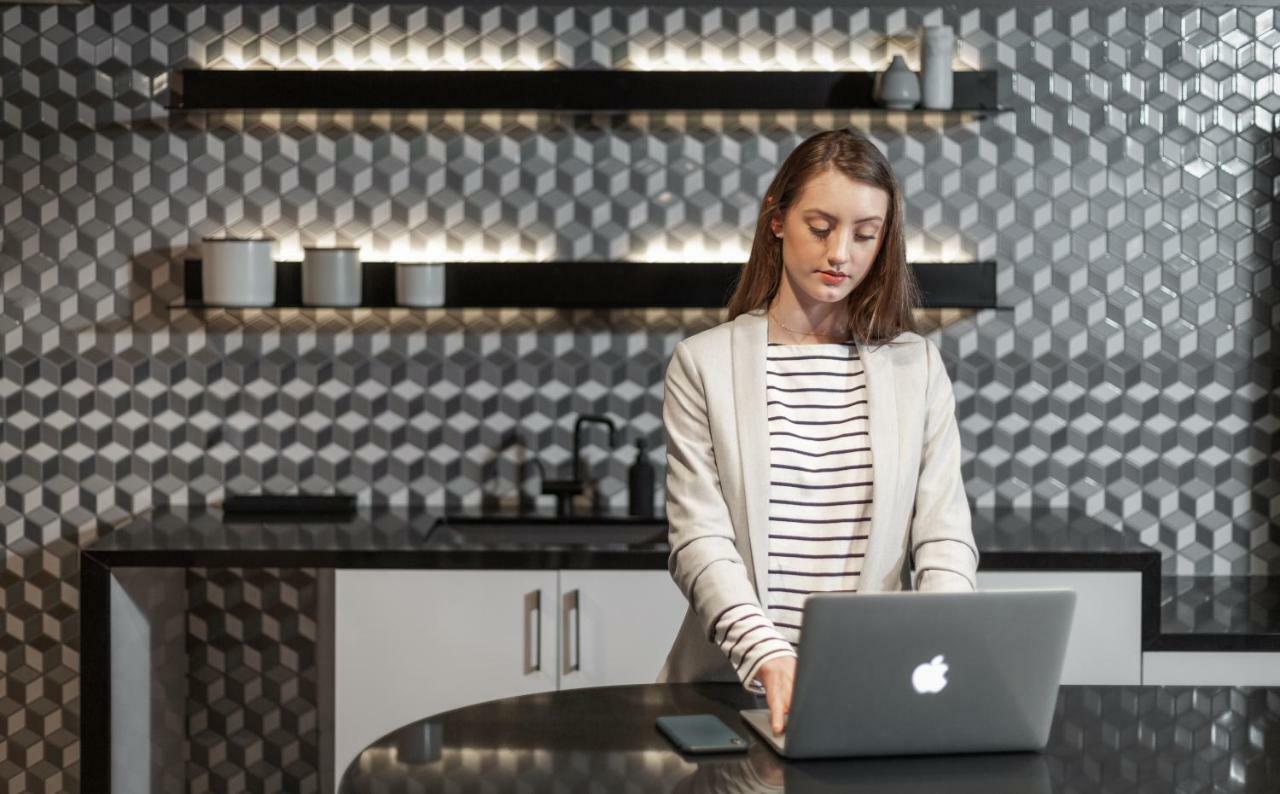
(916, 673)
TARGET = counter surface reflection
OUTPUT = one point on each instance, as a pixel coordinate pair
(1104, 739)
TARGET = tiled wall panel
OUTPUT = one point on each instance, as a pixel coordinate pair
(1130, 199)
(252, 719)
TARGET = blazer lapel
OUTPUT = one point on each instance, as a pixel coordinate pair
(882, 405)
(750, 336)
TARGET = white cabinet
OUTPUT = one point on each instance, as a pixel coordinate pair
(1211, 668)
(1106, 630)
(616, 626)
(412, 643)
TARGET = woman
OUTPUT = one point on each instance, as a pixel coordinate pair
(812, 443)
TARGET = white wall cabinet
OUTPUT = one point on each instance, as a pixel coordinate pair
(412, 643)
(616, 626)
(1211, 668)
(1106, 630)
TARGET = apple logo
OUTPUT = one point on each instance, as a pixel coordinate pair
(930, 677)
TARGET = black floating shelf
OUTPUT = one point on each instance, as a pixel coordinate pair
(564, 90)
(596, 285)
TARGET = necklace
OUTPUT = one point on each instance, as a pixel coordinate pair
(806, 333)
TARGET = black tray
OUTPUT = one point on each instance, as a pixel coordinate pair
(289, 504)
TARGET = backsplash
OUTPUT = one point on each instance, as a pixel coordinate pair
(1129, 200)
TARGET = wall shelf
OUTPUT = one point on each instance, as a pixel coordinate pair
(593, 285)
(574, 90)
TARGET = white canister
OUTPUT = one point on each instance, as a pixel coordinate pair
(238, 272)
(420, 284)
(937, 81)
(331, 276)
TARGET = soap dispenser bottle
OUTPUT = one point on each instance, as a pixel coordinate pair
(640, 487)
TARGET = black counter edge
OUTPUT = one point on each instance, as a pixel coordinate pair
(524, 558)
(95, 674)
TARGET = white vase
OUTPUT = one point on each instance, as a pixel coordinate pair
(237, 272)
(937, 80)
(897, 87)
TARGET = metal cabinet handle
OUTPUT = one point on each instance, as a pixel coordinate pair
(571, 604)
(533, 637)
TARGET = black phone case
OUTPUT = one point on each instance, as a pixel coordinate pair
(701, 733)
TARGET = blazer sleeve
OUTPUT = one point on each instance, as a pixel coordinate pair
(704, 560)
(942, 546)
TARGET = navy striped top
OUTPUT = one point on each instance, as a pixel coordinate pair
(820, 496)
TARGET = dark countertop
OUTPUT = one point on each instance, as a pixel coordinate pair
(1193, 614)
(382, 537)
(1104, 740)
(1008, 539)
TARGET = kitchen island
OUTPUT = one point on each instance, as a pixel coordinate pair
(133, 656)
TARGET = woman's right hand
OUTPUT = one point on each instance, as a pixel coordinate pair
(777, 676)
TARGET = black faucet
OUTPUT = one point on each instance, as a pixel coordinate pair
(565, 490)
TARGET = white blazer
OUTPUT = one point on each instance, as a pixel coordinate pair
(718, 480)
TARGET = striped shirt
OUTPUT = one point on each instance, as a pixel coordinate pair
(820, 495)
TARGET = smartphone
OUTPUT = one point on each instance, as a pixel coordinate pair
(701, 733)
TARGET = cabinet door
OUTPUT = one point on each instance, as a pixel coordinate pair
(1105, 646)
(616, 626)
(409, 644)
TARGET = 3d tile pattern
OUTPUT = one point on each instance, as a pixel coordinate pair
(1130, 198)
(252, 718)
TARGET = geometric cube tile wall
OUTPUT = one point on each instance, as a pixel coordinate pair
(252, 713)
(1130, 200)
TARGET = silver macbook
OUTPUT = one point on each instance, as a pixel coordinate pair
(914, 673)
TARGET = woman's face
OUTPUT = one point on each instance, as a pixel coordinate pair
(831, 235)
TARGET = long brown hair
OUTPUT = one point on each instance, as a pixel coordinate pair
(880, 306)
